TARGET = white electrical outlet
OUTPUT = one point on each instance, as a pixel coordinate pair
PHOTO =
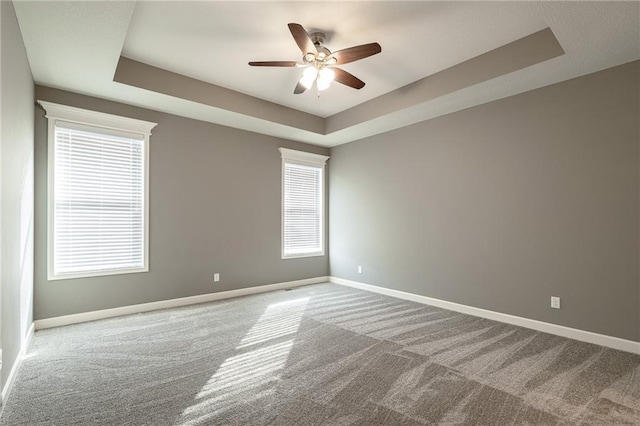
(555, 302)
(359, 269)
(216, 277)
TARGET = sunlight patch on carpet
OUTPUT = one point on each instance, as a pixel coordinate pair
(255, 370)
(279, 320)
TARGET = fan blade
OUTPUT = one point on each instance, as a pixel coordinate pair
(273, 64)
(355, 53)
(299, 89)
(302, 39)
(348, 79)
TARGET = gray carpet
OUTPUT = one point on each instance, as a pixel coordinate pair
(320, 354)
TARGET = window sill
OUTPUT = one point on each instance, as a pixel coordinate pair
(52, 277)
(298, 256)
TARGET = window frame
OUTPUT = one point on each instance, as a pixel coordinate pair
(110, 124)
(291, 156)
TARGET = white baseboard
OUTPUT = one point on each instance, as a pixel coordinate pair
(6, 389)
(172, 303)
(560, 330)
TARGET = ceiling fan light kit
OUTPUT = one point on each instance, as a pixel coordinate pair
(319, 62)
(308, 77)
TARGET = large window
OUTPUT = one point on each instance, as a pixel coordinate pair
(97, 193)
(302, 203)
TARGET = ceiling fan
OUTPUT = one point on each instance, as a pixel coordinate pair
(320, 63)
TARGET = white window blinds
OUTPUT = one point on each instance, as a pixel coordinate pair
(98, 207)
(302, 205)
(97, 201)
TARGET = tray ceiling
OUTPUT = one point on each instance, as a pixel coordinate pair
(202, 48)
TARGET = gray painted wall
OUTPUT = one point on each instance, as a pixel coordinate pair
(215, 196)
(503, 205)
(16, 189)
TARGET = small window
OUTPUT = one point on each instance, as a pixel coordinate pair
(302, 204)
(97, 193)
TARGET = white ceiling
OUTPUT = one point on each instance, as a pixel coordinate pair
(213, 42)
(76, 46)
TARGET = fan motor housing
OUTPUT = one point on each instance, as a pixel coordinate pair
(318, 38)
